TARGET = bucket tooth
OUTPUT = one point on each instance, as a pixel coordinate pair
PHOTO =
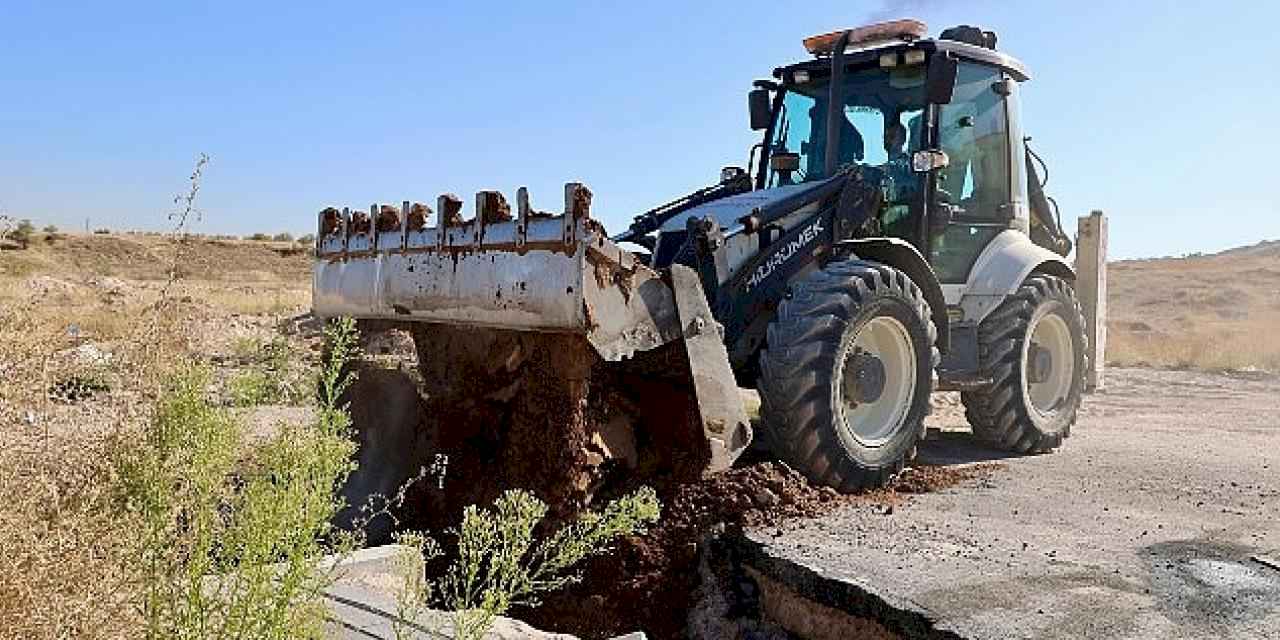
(450, 208)
(522, 216)
(330, 221)
(389, 218)
(492, 207)
(418, 215)
(577, 206)
(361, 222)
(577, 200)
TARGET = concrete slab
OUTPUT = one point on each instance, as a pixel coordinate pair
(1145, 525)
(362, 605)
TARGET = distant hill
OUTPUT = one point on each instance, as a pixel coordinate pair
(1266, 248)
(1215, 311)
(149, 257)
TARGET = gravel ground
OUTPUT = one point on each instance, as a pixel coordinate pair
(1146, 524)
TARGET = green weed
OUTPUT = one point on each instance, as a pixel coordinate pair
(231, 531)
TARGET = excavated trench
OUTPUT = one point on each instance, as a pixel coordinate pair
(488, 411)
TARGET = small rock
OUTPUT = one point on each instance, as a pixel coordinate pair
(767, 498)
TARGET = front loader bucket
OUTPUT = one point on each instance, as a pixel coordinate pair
(499, 304)
(538, 272)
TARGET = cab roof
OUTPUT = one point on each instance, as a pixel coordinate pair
(871, 50)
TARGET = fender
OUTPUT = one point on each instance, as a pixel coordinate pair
(1002, 267)
(904, 257)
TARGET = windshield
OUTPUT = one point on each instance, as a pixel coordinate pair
(880, 128)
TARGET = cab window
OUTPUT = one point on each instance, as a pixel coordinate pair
(974, 132)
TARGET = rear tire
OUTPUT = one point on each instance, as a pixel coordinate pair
(846, 377)
(1022, 346)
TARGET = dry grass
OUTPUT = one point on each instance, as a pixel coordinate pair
(1215, 312)
(69, 563)
(60, 574)
(68, 545)
(1246, 345)
(271, 301)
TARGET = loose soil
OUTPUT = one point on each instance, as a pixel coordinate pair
(531, 411)
(649, 581)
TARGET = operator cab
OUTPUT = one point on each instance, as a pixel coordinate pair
(901, 99)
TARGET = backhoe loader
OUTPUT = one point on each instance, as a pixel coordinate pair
(888, 237)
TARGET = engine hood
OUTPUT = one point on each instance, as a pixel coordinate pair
(727, 211)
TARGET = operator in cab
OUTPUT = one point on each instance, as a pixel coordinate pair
(852, 146)
(899, 182)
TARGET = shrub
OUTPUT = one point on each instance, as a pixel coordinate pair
(230, 532)
(251, 389)
(500, 564)
(21, 233)
(50, 229)
(307, 239)
(260, 237)
(272, 377)
(283, 237)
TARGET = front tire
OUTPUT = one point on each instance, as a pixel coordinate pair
(846, 376)
(1033, 349)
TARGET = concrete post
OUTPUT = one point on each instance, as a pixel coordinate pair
(1091, 287)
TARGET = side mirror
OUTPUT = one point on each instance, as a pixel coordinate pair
(761, 110)
(940, 81)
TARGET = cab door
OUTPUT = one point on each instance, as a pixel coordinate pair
(975, 131)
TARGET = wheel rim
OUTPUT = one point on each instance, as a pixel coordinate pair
(1047, 364)
(877, 380)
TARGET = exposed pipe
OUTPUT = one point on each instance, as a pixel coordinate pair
(835, 105)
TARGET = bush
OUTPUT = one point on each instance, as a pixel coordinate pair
(500, 564)
(260, 237)
(308, 239)
(272, 377)
(21, 233)
(231, 532)
(50, 229)
(283, 237)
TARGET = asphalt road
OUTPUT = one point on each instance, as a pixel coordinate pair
(1157, 519)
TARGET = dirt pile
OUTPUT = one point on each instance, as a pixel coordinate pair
(649, 582)
(500, 410)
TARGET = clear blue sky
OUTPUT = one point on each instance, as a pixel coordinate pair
(1165, 117)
